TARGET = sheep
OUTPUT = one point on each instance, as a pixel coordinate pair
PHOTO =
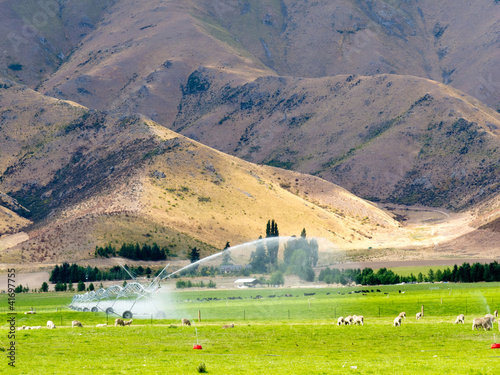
(492, 317)
(21, 328)
(358, 320)
(496, 313)
(30, 312)
(460, 319)
(76, 323)
(185, 322)
(397, 321)
(228, 326)
(101, 325)
(402, 315)
(348, 320)
(340, 321)
(419, 315)
(485, 322)
(119, 322)
(51, 325)
(34, 327)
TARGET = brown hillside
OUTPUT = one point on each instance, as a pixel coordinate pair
(392, 138)
(447, 41)
(94, 178)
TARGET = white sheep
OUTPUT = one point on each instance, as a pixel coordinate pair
(397, 321)
(51, 325)
(21, 328)
(185, 322)
(34, 327)
(127, 323)
(358, 320)
(460, 319)
(228, 326)
(76, 323)
(496, 313)
(402, 315)
(419, 315)
(485, 322)
(101, 325)
(491, 316)
(340, 321)
(348, 320)
(30, 312)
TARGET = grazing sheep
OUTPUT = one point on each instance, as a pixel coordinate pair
(492, 317)
(51, 325)
(34, 327)
(76, 323)
(340, 321)
(419, 315)
(402, 315)
(397, 321)
(119, 322)
(101, 325)
(485, 322)
(21, 328)
(348, 320)
(358, 320)
(228, 326)
(30, 312)
(496, 313)
(186, 322)
(460, 319)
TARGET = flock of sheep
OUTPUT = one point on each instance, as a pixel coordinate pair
(486, 322)
(77, 323)
(119, 322)
(351, 320)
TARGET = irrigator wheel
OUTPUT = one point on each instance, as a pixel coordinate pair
(127, 315)
(94, 309)
(86, 309)
(109, 311)
(160, 315)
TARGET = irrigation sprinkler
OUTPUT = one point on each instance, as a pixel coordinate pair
(120, 300)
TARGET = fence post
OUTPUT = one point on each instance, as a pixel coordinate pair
(422, 310)
(199, 315)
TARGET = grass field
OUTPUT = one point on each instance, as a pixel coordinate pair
(291, 335)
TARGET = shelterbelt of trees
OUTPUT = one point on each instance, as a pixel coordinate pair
(466, 273)
(135, 251)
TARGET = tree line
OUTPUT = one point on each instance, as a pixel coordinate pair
(74, 273)
(466, 273)
(135, 251)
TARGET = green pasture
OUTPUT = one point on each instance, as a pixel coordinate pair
(291, 335)
(415, 270)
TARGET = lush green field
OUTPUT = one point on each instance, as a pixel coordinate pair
(292, 335)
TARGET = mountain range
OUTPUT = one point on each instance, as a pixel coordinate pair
(193, 123)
